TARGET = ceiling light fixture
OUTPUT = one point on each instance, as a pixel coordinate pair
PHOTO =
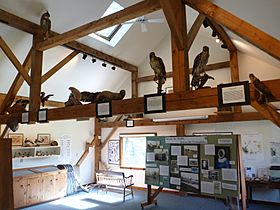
(217, 40)
(93, 60)
(199, 117)
(84, 56)
(104, 64)
(214, 33)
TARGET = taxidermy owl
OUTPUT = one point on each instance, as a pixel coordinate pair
(262, 93)
(46, 24)
(157, 65)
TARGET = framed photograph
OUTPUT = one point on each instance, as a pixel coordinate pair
(17, 138)
(24, 117)
(233, 94)
(114, 152)
(104, 109)
(129, 123)
(43, 138)
(42, 116)
(155, 103)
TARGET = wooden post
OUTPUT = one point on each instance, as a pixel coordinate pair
(36, 75)
(180, 130)
(151, 197)
(175, 14)
(242, 174)
(134, 84)
(6, 175)
(97, 144)
(234, 73)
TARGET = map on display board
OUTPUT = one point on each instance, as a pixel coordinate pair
(199, 164)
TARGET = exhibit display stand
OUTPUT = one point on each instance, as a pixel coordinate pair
(206, 165)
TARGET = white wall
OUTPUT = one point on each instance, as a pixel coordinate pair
(80, 132)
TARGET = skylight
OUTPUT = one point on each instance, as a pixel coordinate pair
(113, 34)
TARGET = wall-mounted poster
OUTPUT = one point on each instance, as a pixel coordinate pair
(252, 147)
(114, 152)
(275, 152)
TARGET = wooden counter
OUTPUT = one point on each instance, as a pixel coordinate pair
(36, 185)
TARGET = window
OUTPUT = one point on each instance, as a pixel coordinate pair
(133, 150)
(113, 34)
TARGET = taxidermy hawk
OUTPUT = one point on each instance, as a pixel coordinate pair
(45, 24)
(200, 62)
(44, 98)
(262, 93)
(157, 65)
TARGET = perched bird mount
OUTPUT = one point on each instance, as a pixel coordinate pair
(44, 97)
(45, 24)
(199, 77)
(157, 65)
(18, 107)
(261, 92)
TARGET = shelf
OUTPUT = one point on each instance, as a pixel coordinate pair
(35, 152)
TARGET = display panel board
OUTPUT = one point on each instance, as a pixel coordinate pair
(198, 164)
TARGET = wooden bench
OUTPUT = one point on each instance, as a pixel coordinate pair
(115, 181)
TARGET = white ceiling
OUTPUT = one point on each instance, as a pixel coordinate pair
(134, 47)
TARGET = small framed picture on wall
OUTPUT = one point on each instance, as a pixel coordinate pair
(17, 138)
(43, 138)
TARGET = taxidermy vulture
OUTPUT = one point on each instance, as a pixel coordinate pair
(199, 64)
(262, 93)
(44, 98)
(46, 24)
(157, 65)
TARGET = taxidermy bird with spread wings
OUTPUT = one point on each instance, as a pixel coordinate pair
(157, 65)
(44, 98)
(45, 24)
(199, 64)
(261, 92)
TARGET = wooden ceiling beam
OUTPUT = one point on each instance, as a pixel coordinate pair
(250, 33)
(16, 85)
(235, 117)
(48, 103)
(198, 99)
(209, 67)
(268, 111)
(36, 75)
(126, 14)
(194, 30)
(58, 66)
(14, 60)
(32, 28)
(18, 23)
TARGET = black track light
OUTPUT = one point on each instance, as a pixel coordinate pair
(104, 64)
(224, 46)
(205, 23)
(214, 33)
(113, 68)
(84, 56)
(93, 60)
